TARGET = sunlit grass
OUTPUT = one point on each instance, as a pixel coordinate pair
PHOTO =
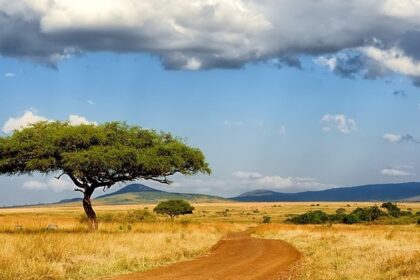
(29, 250)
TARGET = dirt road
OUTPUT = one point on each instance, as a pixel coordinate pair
(238, 256)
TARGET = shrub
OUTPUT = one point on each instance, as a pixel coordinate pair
(392, 208)
(311, 217)
(406, 213)
(368, 214)
(351, 219)
(337, 218)
(266, 219)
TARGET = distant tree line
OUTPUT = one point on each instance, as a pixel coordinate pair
(391, 213)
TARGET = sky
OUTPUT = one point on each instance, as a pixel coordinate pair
(281, 95)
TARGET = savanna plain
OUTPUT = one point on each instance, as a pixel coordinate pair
(55, 243)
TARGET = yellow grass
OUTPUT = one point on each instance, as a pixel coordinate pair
(29, 251)
(352, 252)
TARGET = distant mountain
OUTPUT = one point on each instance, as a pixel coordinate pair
(378, 192)
(138, 193)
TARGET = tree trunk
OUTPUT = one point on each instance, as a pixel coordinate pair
(91, 215)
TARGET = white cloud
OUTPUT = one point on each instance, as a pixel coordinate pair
(394, 59)
(56, 185)
(339, 122)
(25, 120)
(395, 172)
(330, 62)
(30, 117)
(34, 185)
(78, 120)
(195, 34)
(393, 138)
(9, 75)
(247, 175)
(90, 102)
(398, 138)
(258, 180)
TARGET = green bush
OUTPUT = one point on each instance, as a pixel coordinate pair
(337, 218)
(392, 208)
(311, 217)
(351, 219)
(368, 214)
(406, 213)
(266, 219)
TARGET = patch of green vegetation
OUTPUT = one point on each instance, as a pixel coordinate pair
(393, 215)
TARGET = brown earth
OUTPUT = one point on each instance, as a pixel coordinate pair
(236, 257)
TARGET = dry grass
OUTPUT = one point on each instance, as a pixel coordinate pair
(352, 252)
(71, 252)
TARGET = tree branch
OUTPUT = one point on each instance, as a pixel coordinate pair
(75, 181)
(79, 190)
(59, 176)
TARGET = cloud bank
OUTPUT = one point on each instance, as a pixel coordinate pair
(371, 38)
(288, 184)
(29, 117)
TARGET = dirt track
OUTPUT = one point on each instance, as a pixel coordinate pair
(238, 256)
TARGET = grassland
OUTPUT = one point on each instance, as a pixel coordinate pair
(28, 250)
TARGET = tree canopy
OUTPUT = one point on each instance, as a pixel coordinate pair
(98, 155)
(174, 208)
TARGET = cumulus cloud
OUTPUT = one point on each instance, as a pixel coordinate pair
(53, 184)
(26, 119)
(78, 120)
(395, 172)
(195, 34)
(34, 185)
(258, 180)
(399, 138)
(30, 117)
(339, 122)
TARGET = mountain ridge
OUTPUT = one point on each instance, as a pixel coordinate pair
(373, 192)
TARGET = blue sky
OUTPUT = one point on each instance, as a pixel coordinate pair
(260, 119)
(270, 104)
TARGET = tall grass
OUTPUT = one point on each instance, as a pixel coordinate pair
(353, 251)
(84, 255)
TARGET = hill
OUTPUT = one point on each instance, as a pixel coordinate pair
(378, 192)
(138, 193)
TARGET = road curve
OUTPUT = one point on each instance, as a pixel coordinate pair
(238, 256)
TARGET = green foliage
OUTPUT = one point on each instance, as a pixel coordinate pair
(392, 209)
(311, 217)
(266, 219)
(351, 219)
(102, 154)
(174, 208)
(368, 214)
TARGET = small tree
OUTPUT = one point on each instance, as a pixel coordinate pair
(98, 156)
(173, 208)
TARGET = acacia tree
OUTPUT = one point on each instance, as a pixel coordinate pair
(174, 208)
(98, 156)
